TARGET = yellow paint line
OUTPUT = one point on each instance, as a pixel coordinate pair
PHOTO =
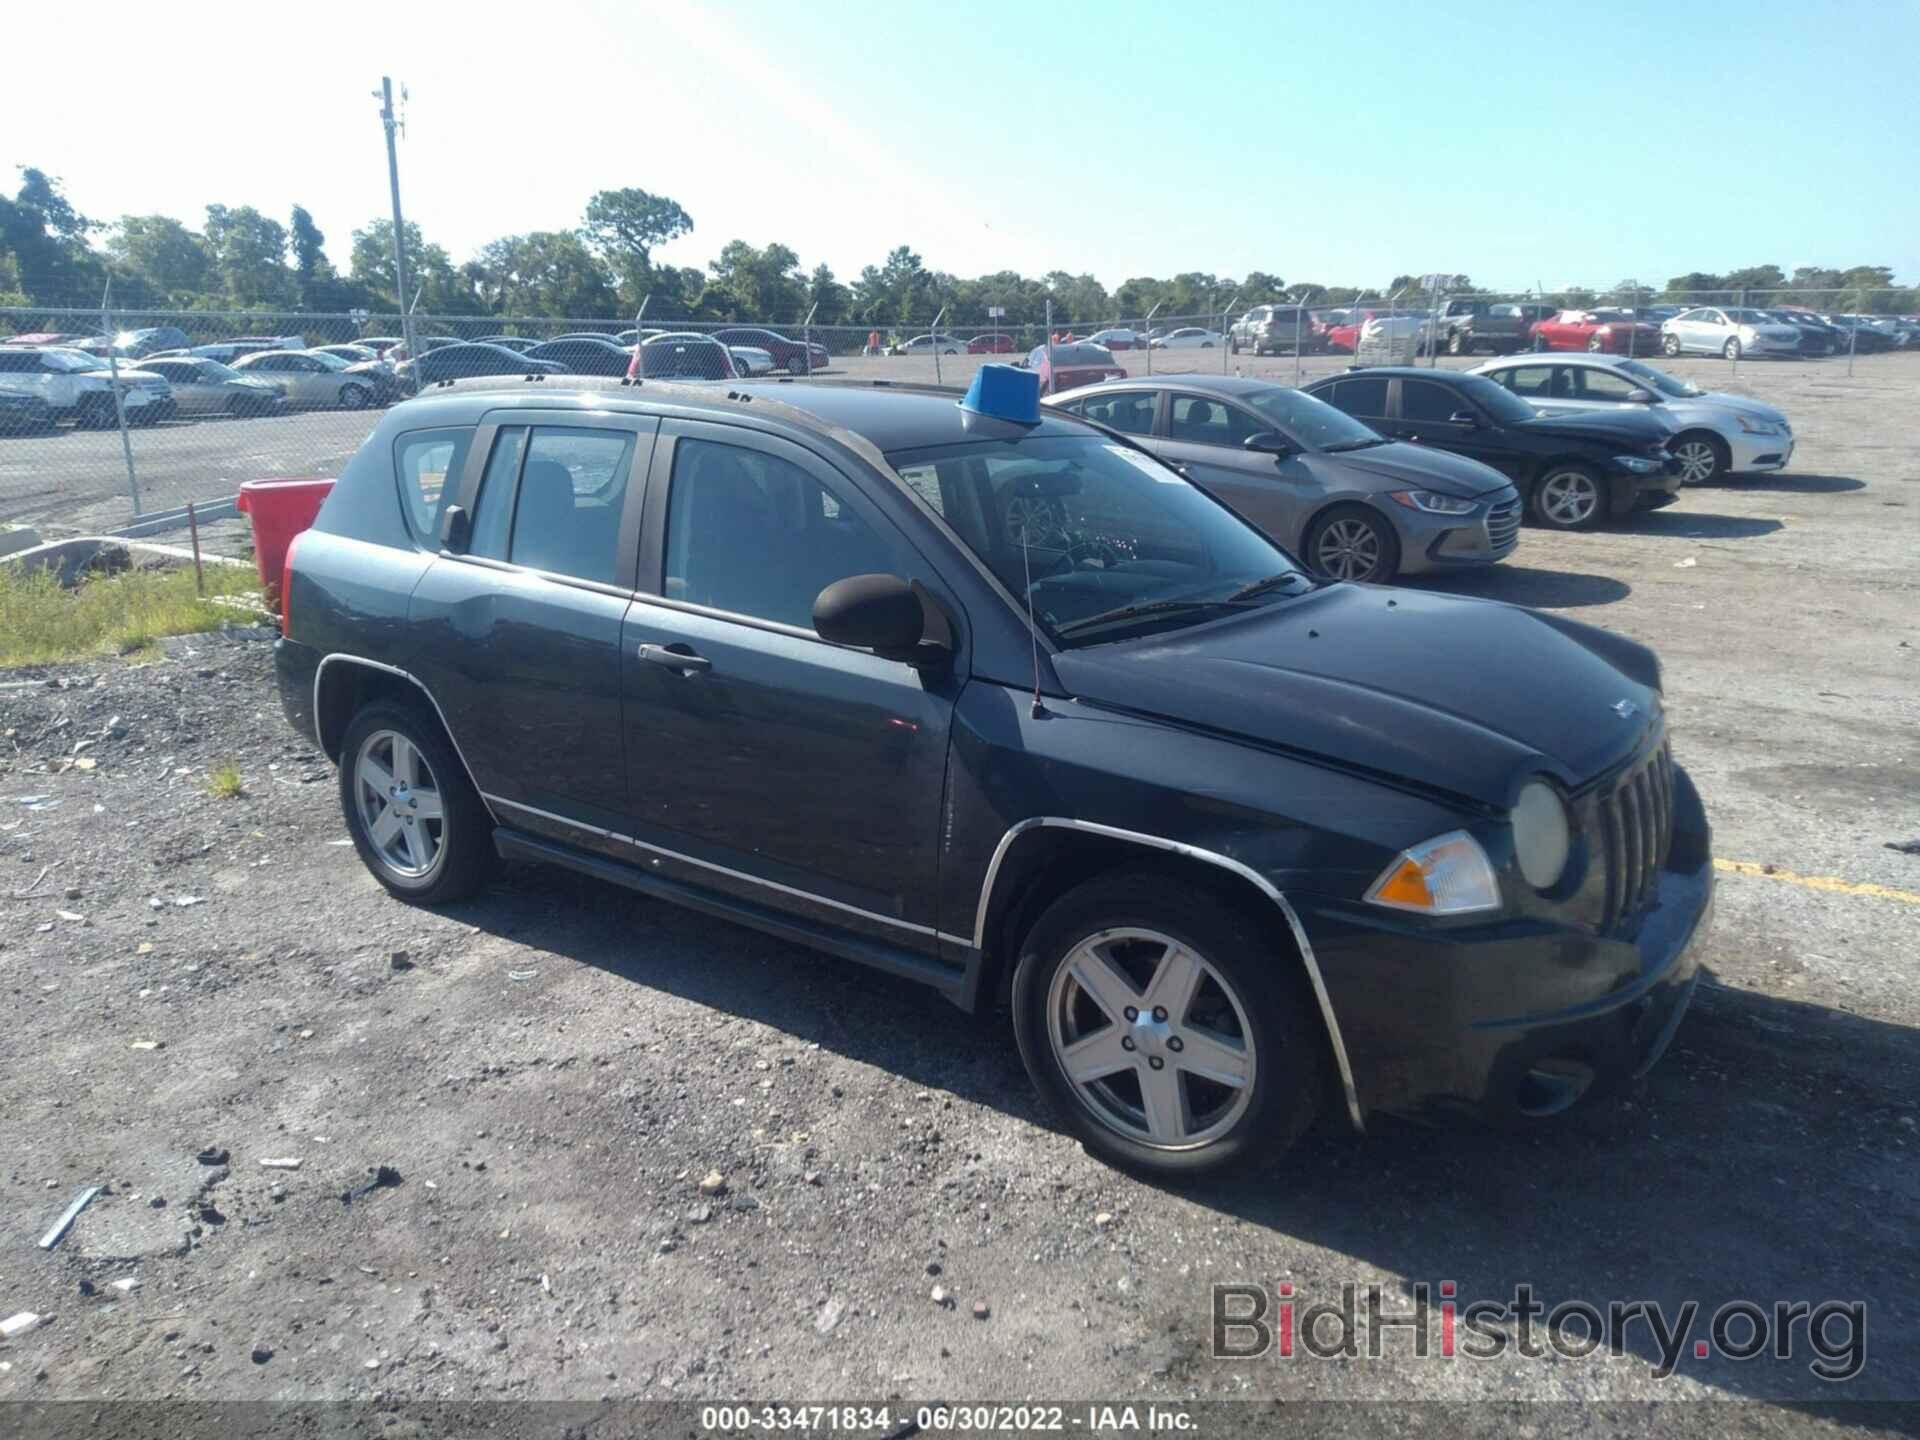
(1831, 883)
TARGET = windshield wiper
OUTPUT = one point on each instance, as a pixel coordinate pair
(1355, 444)
(1261, 586)
(1131, 612)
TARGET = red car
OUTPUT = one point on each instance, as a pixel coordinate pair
(1605, 332)
(1000, 344)
(1340, 329)
(1073, 363)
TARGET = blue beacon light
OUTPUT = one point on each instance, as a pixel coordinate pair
(1001, 400)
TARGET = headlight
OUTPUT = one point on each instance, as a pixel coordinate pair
(1634, 465)
(1448, 875)
(1749, 334)
(1433, 502)
(1542, 836)
(1756, 427)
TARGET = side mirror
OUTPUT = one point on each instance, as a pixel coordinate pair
(1269, 442)
(1464, 417)
(1641, 397)
(456, 529)
(881, 613)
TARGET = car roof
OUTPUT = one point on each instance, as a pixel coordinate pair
(1211, 384)
(886, 415)
(1393, 372)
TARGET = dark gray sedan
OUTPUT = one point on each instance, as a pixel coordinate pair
(1329, 489)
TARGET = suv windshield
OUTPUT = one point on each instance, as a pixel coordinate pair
(1105, 539)
(1309, 421)
(74, 360)
(1659, 379)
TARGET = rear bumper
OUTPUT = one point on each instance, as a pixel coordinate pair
(294, 666)
(1519, 1019)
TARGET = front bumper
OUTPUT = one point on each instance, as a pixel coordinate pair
(1449, 542)
(1515, 1019)
(1751, 453)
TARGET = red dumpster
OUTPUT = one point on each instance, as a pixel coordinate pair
(280, 510)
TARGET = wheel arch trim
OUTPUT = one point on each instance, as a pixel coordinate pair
(319, 673)
(1206, 857)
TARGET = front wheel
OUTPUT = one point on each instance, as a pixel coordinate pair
(1353, 544)
(355, 397)
(416, 820)
(1670, 344)
(1731, 349)
(1457, 344)
(1703, 458)
(1163, 1026)
(1595, 345)
(1568, 497)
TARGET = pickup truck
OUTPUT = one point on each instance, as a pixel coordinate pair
(1470, 325)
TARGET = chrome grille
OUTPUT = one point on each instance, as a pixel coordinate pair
(1503, 526)
(1636, 831)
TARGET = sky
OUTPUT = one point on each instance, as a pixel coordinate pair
(1519, 145)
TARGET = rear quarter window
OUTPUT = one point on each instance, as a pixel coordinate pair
(427, 465)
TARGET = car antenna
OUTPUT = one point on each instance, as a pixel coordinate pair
(1003, 403)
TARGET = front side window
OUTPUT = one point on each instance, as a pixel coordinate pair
(1199, 420)
(1128, 410)
(1532, 380)
(1310, 421)
(1425, 401)
(1096, 533)
(1598, 384)
(566, 518)
(756, 535)
(427, 463)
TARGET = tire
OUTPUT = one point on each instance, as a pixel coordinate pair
(1670, 346)
(1703, 457)
(355, 397)
(1457, 344)
(1350, 542)
(797, 365)
(1233, 347)
(1246, 1012)
(1731, 350)
(1595, 345)
(1568, 496)
(424, 859)
(1206, 344)
(1539, 344)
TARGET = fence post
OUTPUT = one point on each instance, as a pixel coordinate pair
(119, 405)
(1147, 332)
(1298, 315)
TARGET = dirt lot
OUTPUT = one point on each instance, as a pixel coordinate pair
(550, 1072)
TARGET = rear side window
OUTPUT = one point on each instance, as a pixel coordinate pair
(567, 517)
(1367, 396)
(1129, 410)
(427, 465)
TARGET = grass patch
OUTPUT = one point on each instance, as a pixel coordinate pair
(125, 614)
(224, 782)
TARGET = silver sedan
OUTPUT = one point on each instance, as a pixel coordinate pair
(306, 377)
(1729, 331)
(206, 387)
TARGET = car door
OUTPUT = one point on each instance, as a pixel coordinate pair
(1203, 437)
(310, 382)
(189, 396)
(765, 761)
(520, 626)
(1699, 330)
(1424, 414)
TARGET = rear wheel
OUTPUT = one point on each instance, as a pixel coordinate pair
(416, 820)
(1162, 1025)
(1568, 497)
(1352, 543)
(355, 397)
(1703, 457)
(1457, 343)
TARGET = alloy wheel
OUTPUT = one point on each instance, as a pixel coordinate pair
(399, 804)
(1569, 497)
(1697, 461)
(1348, 548)
(1152, 1039)
(1671, 344)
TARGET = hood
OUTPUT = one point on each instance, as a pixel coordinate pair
(1738, 404)
(1613, 427)
(1441, 692)
(1410, 467)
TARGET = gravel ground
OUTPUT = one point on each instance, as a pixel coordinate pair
(550, 1073)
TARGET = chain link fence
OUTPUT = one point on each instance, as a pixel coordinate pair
(111, 420)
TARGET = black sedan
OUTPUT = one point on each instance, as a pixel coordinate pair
(585, 355)
(1573, 470)
(468, 361)
(1233, 845)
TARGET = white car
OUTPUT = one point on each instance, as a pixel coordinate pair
(751, 359)
(931, 344)
(1727, 330)
(79, 387)
(1715, 434)
(1188, 337)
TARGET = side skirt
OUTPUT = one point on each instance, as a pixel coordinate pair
(950, 981)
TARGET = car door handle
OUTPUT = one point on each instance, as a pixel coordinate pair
(675, 657)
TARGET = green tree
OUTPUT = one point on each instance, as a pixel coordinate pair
(623, 227)
(40, 192)
(46, 238)
(755, 284)
(165, 254)
(443, 287)
(1694, 282)
(545, 272)
(250, 254)
(827, 297)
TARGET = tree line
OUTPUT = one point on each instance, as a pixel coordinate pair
(241, 259)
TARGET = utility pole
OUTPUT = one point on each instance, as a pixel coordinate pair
(399, 225)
